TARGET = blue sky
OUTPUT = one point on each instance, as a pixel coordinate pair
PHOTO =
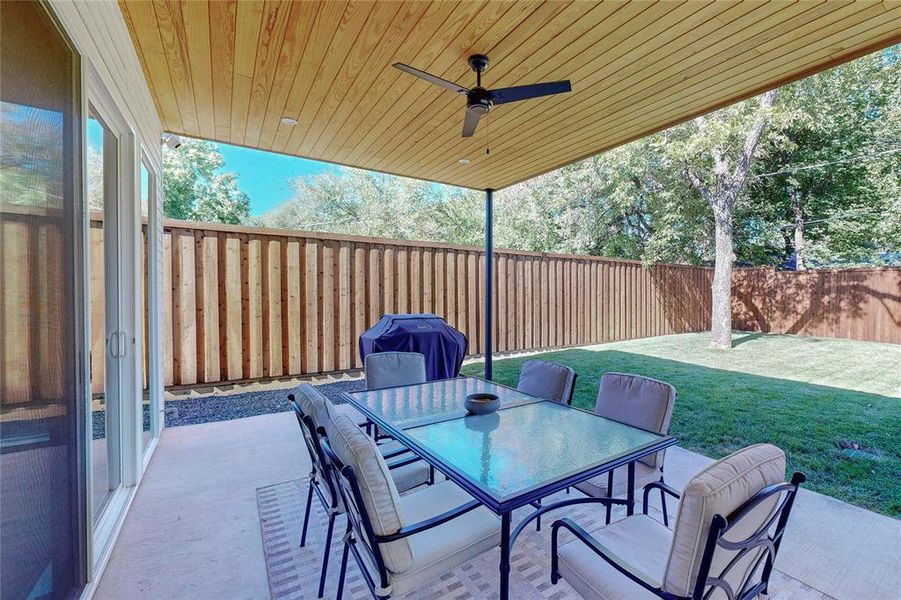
(265, 176)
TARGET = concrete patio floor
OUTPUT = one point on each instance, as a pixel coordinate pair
(193, 530)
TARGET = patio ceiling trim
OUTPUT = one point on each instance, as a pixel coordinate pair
(229, 71)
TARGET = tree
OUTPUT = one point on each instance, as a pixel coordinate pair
(828, 191)
(721, 184)
(357, 202)
(196, 189)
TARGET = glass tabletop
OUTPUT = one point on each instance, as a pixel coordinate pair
(413, 405)
(523, 448)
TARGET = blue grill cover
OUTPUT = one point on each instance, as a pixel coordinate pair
(443, 346)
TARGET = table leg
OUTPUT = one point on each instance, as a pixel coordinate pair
(505, 556)
(630, 495)
(609, 510)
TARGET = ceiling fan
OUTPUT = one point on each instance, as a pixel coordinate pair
(478, 99)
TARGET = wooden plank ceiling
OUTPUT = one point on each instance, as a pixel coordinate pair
(229, 71)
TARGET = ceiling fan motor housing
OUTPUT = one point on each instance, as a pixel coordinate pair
(478, 100)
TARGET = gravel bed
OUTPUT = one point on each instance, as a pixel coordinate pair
(206, 409)
(98, 420)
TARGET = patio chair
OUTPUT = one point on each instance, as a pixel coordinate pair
(547, 380)
(401, 543)
(322, 411)
(407, 472)
(727, 533)
(390, 369)
(641, 402)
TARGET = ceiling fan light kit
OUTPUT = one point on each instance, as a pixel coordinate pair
(479, 100)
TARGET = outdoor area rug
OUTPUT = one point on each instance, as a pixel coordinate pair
(294, 571)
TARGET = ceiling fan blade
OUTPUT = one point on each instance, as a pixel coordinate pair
(524, 92)
(448, 85)
(470, 122)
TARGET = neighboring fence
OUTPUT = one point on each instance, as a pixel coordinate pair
(247, 303)
(860, 304)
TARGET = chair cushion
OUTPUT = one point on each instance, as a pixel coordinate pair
(439, 550)
(349, 411)
(313, 403)
(638, 401)
(317, 405)
(639, 540)
(546, 380)
(720, 489)
(409, 476)
(389, 369)
(597, 486)
(380, 497)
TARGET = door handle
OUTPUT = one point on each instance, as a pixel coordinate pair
(119, 349)
(114, 344)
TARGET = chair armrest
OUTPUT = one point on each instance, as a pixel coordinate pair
(403, 462)
(642, 579)
(657, 485)
(429, 523)
(396, 453)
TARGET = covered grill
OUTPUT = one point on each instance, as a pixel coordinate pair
(443, 346)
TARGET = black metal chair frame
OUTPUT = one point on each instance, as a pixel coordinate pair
(706, 584)
(657, 484)
(320, 475)
(662, 487)
(572, 390)
(359, 530)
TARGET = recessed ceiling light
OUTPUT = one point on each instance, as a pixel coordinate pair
(464, 161)
(289, 121)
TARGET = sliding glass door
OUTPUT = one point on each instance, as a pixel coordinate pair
(114, 291)
(43, 528)
(108, 339)
(151, 230)
(79, 333)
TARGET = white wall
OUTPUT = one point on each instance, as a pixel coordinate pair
(98, 30)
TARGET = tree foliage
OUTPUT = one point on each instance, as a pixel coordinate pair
(832, 142)
(196, 189)
(835, 178)
(359, 202)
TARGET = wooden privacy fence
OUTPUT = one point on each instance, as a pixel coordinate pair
(860, 304)
(247, 303)
(244, 303)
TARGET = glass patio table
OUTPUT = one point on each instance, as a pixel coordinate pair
(410, 405)
(529, 449)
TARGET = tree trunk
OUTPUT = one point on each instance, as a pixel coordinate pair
(729, 183)
(721, 290)
(799, 230)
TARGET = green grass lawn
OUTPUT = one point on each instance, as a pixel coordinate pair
(812, 397)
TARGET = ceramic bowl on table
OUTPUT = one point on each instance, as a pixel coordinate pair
(482, 403)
